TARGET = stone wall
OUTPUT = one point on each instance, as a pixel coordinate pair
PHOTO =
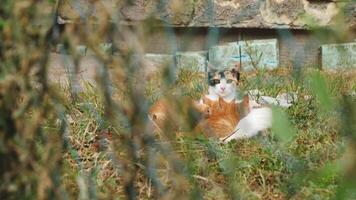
(292, 14)
(194, 21)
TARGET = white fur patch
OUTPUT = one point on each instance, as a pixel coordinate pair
(215, 93)
(257, 120)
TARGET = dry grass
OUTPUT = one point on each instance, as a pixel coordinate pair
(257, 168)
(56, 143)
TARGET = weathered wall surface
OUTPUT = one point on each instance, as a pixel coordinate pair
(292, 44)
(294, 14)
(235, 20)
(339, 56)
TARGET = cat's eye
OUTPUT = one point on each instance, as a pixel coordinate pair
(229, 81)
(214, 81)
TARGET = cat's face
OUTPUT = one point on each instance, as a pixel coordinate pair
(223, 82)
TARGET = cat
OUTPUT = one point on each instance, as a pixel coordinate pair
(223, 116)
(220, 112)
(224, 109)
(231, 122)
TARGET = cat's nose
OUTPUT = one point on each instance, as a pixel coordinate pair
(222, 88)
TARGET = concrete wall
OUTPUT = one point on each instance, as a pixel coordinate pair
(294, 45)
(339, 56)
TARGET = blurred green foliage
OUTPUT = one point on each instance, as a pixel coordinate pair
(60, 143)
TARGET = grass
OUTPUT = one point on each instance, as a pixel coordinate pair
(306, 165)
(99, 145)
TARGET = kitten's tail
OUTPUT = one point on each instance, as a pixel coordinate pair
(257, 120)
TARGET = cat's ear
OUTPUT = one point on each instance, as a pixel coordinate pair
(236, 70)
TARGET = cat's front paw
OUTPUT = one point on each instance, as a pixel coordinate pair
(202, 107)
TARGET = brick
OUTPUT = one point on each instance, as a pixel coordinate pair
(225, 53)
(338, 56)
(263, 53)
(193, 60)
(156, 62)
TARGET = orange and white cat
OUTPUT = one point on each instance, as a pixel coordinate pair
(224, 110)
(246, 122)
(223, 116)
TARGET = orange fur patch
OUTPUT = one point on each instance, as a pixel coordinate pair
(219, 118)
